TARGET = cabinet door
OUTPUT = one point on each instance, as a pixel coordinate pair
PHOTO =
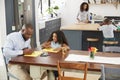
(74, 39)
(53, 24)
(92, 34)
(50, 26)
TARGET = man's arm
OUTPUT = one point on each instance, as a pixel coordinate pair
(9, 50)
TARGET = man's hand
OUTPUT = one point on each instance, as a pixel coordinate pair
(28, 51)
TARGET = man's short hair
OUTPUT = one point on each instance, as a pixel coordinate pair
(25, 26)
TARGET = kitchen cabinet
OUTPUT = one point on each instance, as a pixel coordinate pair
(50, 26)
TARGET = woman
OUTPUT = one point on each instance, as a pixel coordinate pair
(83, 14)
(58, 42)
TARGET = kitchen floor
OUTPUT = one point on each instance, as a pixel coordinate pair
(89, 76)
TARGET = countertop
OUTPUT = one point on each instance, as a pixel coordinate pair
(81, 26)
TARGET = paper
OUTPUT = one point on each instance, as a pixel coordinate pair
(97, 59)
(35, 54)
(50, 50)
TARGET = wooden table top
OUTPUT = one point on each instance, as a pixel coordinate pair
(81, 26)
(51, 60)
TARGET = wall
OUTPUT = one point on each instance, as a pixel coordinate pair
(36, 22)
(3, 75)
(72, 6)
(69, 12)
(105, 10)
(2, 22)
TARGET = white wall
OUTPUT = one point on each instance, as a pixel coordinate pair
(72, 6)
(3, 73)
(69, 12)
(2, 22)
(37, 21)
(105, 10)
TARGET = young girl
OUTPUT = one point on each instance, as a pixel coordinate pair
(83, 14)
(58, 42)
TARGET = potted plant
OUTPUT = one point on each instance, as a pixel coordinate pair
(56, 8)
(52, 10)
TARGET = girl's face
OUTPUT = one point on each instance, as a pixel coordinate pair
(85, 6)
(54, 37)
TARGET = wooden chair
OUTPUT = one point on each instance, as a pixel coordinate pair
(71, 65)
(110, 42)
(91, 40)
(6, 68)
(110, 73)
(109, 46)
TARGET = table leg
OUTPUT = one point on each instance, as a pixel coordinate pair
(36, 72)
(51, 75)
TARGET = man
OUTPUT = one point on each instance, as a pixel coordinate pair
(18, 43)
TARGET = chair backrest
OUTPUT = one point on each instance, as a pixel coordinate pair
(72, 65)
(3, 69)
(110, 42)
(110, 73)
(8, 74)
(4, 60)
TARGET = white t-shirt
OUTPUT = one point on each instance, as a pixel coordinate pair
(55, 45)
(108, 30)
(83, 16)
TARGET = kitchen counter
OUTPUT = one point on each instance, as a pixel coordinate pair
(77, 35)
(81, 26)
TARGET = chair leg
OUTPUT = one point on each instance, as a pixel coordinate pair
(103, 72)
(56, 78)
(11, 75)
(8, 78)
(44, 75)
(103, 48)
(89, 44)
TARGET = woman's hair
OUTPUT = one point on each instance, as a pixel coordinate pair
(61, 39)
(82, 6)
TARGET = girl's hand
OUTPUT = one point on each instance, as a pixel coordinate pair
(58, 49)
(46, 45)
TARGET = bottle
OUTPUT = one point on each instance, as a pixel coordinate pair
(90, 16)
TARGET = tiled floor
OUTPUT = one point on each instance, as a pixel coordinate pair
(89, 76)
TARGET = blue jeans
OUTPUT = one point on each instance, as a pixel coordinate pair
(109, 39)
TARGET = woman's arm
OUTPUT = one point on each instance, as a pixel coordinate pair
(78, 17)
